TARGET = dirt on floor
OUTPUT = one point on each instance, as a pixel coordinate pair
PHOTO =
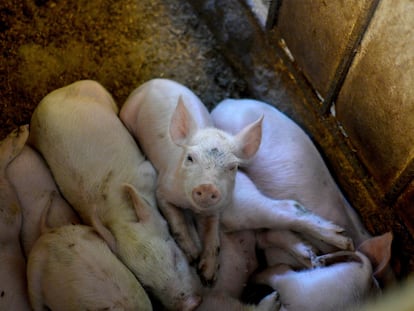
(47, 44)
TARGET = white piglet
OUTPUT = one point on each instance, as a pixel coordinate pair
(98, 166)
(251, 210)
(237, 262)
(288, 166)
(196, 162)
(34, 184)
(13, 292)
(343, 280)
(219, 301)
(71, 268)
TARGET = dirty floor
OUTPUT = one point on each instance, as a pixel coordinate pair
(47, 44)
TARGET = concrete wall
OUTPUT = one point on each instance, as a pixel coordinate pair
(359, 55)
(353, 58)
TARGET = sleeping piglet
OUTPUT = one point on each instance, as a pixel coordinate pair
(34, 184)
(71, 268)
(97, 165)
(196, 162)
(288, 166)
(250, 214)
(252, 210)
(13, 293)
(343, 280)
(218, 301)
(237, 262)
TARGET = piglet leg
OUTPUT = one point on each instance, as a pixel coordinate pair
(209, 264)
(252, 210)
(290, 242)
(337, 257)
(179, 228)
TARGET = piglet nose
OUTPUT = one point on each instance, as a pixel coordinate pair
(206, 195)
(191, 303)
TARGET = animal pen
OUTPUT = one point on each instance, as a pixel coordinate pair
(343, 70)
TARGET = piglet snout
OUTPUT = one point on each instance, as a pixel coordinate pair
(191, 303)
(206, 195)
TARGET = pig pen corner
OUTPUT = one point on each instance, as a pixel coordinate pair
(327, 66)
(342, 71)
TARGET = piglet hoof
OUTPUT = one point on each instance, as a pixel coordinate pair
(338, 257)
(312, 260)
(270, 303)
(189, 248)
(335, 235)
(346, 244)
(304, 253)
(207, 269)
(192, 254)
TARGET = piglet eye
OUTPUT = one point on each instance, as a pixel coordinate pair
(233, 167)
(190, 158)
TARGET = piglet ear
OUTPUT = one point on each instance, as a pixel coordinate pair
(248, 140)
(12, 145)
(44, 228)
(140, 205)
(182, 124)
(103, 231)
(378, 250)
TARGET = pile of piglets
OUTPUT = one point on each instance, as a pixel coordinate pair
(164, 206)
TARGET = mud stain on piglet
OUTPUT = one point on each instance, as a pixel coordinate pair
(104, 187)
(301, 210)
(9, 214)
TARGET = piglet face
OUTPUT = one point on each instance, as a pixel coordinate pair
(167, 273)
(208, 171)
(155, 258)
(210, 158)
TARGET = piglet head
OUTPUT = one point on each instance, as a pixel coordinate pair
(210, 158)
(154, 257)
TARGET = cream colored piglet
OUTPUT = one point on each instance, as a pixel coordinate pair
(13, 293)
(196, 162)
(34, 184)
(71, 268)
(288, 166)
(344, 280)
(97, 164)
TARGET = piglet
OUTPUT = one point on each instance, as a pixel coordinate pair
(251, 210)
(218, 301)
(241, 224)
(237, 262)
(71, 268)
(13, 293)
(196, 162)
(288, 166)
(34, 184)
(97, 164)
(343, 280)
